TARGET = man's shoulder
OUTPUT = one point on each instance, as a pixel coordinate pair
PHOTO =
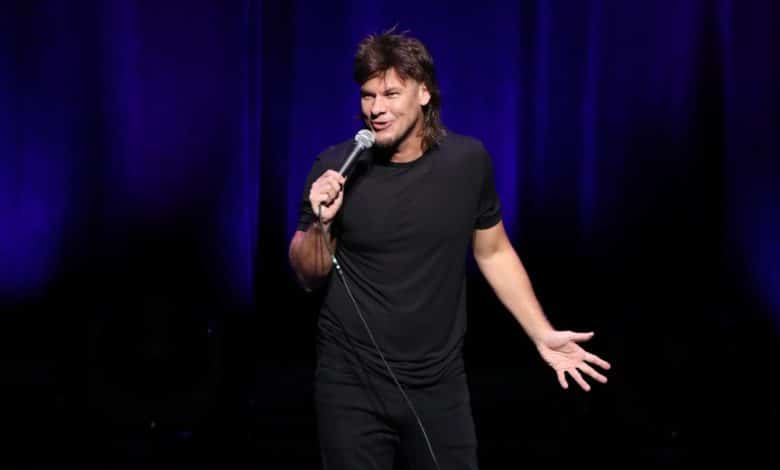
(461, 143)
(463, 148)
(332, 155)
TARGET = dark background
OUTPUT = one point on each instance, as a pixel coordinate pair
(152, 157)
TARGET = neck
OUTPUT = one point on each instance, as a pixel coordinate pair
(410, 148)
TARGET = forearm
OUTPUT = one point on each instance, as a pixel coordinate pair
(506, 275)
(310, 255)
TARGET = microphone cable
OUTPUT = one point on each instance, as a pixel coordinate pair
(371, 336)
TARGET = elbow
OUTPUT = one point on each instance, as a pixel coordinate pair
(304, 284)
(306, 274)
(307, 282)
(484, 254)
(493, 255)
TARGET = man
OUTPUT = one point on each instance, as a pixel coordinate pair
(390, 380)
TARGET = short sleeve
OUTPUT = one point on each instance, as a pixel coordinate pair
(489, 207)
(305, 214)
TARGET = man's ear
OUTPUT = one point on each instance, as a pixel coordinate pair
(424, 96)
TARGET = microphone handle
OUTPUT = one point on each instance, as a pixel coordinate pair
(348, 162)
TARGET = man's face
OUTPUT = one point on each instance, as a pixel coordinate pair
(393, 107)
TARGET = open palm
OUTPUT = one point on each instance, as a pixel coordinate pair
(561, 351)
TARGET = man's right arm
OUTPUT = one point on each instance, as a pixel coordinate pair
(310, 256)
(310, 250)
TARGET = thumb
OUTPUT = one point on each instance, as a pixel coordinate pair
(579, 336)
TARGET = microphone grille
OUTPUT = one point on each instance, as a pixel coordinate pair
(365, 138)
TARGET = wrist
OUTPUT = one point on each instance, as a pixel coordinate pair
(539, 336)
(324, 226)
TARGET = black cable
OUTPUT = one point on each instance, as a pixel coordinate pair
(371, 336)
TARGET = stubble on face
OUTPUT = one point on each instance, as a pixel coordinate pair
(392, 108)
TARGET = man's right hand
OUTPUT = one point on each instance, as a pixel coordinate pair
(327, 191)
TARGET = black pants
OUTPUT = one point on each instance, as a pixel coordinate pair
(364, 423)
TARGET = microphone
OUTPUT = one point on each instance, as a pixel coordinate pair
(364, 139)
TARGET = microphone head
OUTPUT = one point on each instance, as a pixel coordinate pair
(365, 138)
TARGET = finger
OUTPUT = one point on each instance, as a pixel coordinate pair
(598, 361)
(592, 372)
(332, 188)
(339, 197)
(320, 198)
(324, 196)
(318, 187)
(577, 336)
(323, 181)
(316, 198)
(562, 379)
(578, 378)
(325, 193)
(335, 176)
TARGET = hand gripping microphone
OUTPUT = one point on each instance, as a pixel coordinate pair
(363, 140)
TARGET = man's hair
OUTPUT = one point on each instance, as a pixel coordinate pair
(378, 53)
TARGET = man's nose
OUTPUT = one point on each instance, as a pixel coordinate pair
(379, 106)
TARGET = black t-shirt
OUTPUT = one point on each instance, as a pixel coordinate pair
(403, 233)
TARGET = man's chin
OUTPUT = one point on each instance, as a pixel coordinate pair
(385, 143)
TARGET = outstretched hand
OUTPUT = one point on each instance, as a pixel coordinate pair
(561, 351)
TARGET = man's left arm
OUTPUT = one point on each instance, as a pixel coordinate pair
(499, 263)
